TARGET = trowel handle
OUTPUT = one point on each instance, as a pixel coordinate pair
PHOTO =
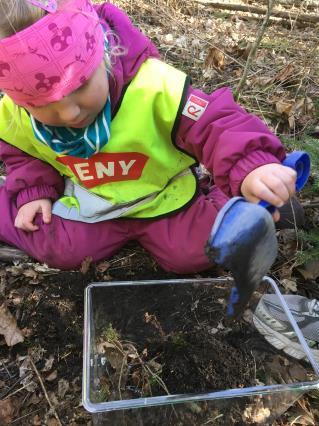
(299, 161)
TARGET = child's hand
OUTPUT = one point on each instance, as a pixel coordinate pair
(273, 183)
(27, 213)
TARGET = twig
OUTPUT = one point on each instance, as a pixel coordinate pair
(254, 49)
(260, 11)
(16, 391)
(26, 415)
(44, 391)
(8, 253)
(310, 205)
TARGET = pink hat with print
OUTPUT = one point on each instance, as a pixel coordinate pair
(54, 56)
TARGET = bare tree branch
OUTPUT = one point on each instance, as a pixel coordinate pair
(254, 48)
(260, 11)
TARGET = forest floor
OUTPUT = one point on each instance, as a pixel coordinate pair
(41, 377)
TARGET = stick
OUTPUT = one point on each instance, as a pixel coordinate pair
(307, 4)
(310, 205)
(254, 49)
(8, 254)
(44, 391)
(260, 11)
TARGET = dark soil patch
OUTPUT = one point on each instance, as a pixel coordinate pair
(182, 328)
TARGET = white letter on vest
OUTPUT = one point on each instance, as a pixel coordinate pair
(81, 173)
(102, 170)
(126, 167)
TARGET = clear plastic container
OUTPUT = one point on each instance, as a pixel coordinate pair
(164, 353)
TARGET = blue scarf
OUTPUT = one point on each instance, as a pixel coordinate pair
(76, 142)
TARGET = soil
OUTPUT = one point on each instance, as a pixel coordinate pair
(179, 333)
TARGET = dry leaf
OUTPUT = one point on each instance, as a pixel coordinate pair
(52, 422)
(256, 414)
(215, 58)
(103, 266)
(298, 372)
(37, 420)
(295, 109)
(63, 387)
(7, 410)
(284, 107)
(8, 327)
(286, 74)
(48, 364)
(52, 376)
(85, 265)
(290, 284)
(30, 273)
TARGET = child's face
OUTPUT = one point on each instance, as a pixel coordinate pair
(80, 108)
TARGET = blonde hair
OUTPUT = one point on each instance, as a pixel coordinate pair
(15, 15)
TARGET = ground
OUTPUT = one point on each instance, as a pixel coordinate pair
(40, 378)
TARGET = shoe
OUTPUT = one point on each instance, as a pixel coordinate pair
(271, 321)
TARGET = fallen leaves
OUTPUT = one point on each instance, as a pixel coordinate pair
(8, 409)
(8, 327)
(292, 110)
(215, 58)
(289, 284)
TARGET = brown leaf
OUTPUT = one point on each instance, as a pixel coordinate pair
(286, 74)
(30, 273)
(298, 372)
(37, 420)
(8, 327)
(85, 265)
(103, 266)
(215, 58)
(63, 387)
(284, 107)
(7, 410)
(290, 284)
(48, 363)
(52, 422)
(52, 376)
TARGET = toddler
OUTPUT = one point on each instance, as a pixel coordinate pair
(101, 140)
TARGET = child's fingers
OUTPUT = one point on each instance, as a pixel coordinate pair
(25, 224)
(278, 187)
(288, 177)
(30, 227)
(264, 192)
(46, 212)
(276, 216)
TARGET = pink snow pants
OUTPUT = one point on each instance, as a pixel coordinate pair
(177, 242)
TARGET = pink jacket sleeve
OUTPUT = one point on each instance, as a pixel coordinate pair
(227, 140)
(28, 178)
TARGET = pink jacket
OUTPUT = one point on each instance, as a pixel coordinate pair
(226, 139)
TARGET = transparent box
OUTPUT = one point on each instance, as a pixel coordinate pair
(164, 353)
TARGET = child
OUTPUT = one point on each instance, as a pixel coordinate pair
(101, 140)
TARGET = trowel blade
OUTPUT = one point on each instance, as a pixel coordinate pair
(243, 240)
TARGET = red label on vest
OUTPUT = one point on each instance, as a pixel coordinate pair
(195, 107)
(106, 167)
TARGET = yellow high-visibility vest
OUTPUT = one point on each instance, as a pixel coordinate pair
(139, 173)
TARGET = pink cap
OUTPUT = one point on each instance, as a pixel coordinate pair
(54, 56)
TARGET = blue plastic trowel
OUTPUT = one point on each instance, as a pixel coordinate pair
(243, 238)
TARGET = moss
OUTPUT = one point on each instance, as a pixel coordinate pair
(109, 334)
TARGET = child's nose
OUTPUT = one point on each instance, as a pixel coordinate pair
(68, 111)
